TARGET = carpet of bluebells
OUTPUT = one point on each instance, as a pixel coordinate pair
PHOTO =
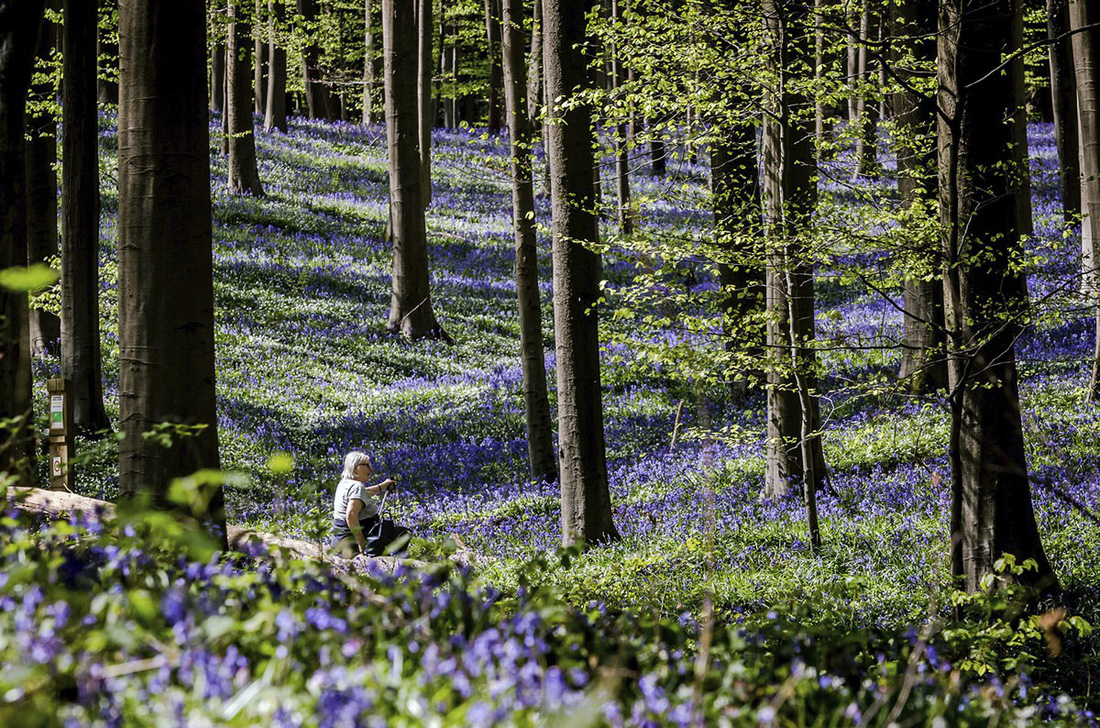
(710, 610)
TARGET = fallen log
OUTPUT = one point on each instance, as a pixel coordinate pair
(56, 504)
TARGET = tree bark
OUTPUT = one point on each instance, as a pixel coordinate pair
(165, 278)
(735, 191)
(585, 497)
(1063, 93)
(317, 96)
(107, 52)
(540, 435)
(1020, 155)
(261, 59)
(622, 158)
(923, 362)
(411, 311)
(275, 116)
(370, 111)
(1083, 18)
(658, 165)
(20, 21)
(866, 141)
(790, 195)
(80, 347)
(984, 294)
(217, 77)
(243, 173)
(492, 31)
(534, 68)
(41, 150)
(424, 95)
(1086, 60)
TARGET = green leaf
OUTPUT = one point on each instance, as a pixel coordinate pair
(28, 280)
(280, 463)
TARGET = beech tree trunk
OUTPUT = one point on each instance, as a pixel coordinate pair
(864, 111)
(1063, 95)
(80, 347)
(217, 77)
(793, 445)
(243, 174)
(20, 22)
(585, 497)
(658, 165)
(735, 190)
(540, 435)
(534, 68)
(317, 96)
(107, 52)
(622, 158)
(411, 311)
(1086, 59)
(923, 361)
(492, 31)
(424, 95)
(41, 150)
(275, 116)
(370, 112)
(984, 295)
(261, 60)
(165, 278)
(1020, 155)
(1083, 19)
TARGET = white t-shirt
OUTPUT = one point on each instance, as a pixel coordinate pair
(345, 492)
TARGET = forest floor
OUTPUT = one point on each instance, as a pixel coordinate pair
(306, 367)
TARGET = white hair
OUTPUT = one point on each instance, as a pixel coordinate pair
(352, 460)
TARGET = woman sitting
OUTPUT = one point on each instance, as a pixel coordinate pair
(356, 525)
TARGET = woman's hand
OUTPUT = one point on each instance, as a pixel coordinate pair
(387, 484)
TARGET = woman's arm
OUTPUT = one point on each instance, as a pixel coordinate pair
(352, 516)
(383, 486)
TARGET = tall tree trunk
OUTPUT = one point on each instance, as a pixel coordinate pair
(657, 153)
(1083, 18)
(244, 176)
(1020, 156)
(540, 434)
(923, 362)
(20, 22)
(317, 96)
(217, 77)
(1086, 60)
(1063, 93)
(261, 59)
(866, 141)
(492, 31)
(275, 116)
(370, 112)
(80, 348)
(45, 327)
(107, 52)
(585, 497)
(424, 95)
(985, 295)
(534, 68)
(822, 133)
(165, 257)
(622, 158)
(790, 195)
(735, 190)
(411, 311)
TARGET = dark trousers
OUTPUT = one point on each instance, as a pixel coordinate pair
(379, 533)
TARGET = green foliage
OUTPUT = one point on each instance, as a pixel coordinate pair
(134, 620)
(28, 279)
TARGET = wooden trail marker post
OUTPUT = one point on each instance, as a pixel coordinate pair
(60, 434)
